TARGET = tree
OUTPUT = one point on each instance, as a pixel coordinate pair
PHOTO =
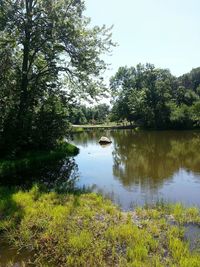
(81, 114)
(195, 109)
(101, 112)
(154, 98)
(181, 116)
(51, 55)
(143, 92)
(191, 80)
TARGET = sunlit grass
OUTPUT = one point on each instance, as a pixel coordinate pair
(87, 230)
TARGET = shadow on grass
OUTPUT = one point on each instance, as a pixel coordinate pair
(40, 203)
(11, 215)
(57, 183)
(51, 171)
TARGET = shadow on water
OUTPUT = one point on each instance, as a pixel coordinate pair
(61, 176)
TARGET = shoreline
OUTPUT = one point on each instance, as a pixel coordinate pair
(85, 229)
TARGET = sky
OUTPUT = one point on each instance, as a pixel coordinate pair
(165, 33)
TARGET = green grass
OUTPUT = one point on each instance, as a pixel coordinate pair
(111, 125)
(36, 159)
(77, 129)
(87, 230)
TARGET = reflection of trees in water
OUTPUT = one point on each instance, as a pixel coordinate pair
(60, 176)
(149, 158)
(90, 137)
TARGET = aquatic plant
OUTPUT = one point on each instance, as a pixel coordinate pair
(87, 230)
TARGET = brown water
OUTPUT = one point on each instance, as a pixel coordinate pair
(11, 257)
(137, 167)
(140, 167)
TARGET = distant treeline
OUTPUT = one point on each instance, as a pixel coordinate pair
(81, 114)
(154, 98)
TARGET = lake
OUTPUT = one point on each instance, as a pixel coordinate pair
(141, 167)
(137, 168)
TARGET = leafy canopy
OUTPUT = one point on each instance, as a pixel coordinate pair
(50, 56)
(154, 98)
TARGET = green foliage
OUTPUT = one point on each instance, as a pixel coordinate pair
(180, 116)
(196, 113)
(50, 57)
(87, 230)
(89, 115)
(191, 80)
(153, 98)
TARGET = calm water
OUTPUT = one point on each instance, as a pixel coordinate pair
(140, 167)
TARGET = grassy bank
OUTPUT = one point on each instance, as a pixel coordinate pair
(36, 159)
(77, 129)
(81, 128)
(87, 230)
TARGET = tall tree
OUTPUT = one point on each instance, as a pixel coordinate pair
(143, 92)
(48, 48)
(154, 98)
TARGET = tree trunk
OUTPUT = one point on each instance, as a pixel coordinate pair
(22, 123)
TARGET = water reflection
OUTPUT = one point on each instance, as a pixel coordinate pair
(149, 158)
(141, 166)
(60, 175)
(89, 137)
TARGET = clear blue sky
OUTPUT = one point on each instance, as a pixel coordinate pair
(163, 32)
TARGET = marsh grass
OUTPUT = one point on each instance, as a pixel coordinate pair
(87, 230)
